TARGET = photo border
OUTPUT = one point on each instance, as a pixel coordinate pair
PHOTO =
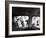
(7, 18)
(25, 32)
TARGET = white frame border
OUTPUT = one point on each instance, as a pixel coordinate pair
(25, 32)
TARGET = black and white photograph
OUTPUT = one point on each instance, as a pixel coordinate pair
(25, 19)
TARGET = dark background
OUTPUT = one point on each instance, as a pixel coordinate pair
(24, 11)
